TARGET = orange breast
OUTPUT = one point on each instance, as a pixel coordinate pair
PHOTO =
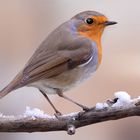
(96, 37)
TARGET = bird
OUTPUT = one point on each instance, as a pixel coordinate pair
(68, 56)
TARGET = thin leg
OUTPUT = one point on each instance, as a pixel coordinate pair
(56, 111)
(67, 98)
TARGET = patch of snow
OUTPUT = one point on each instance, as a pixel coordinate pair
(6, 116)
(100, 106)
(136, 100)
(124, 99)
(35, 113)
(73, 115)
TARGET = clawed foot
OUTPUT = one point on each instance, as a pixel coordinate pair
(58, 114)
(85, 108)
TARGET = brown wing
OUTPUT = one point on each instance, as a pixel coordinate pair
(48, 66)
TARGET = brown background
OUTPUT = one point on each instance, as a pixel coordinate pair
(25, 23)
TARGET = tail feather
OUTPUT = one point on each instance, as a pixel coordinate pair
(14, 84)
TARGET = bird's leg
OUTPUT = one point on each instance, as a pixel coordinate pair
(57, 113)
(67, 98)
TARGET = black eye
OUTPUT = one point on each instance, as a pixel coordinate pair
(89, 20)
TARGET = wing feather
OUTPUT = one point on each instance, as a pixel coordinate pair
(56, 63)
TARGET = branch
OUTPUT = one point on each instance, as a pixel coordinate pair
(69, 122)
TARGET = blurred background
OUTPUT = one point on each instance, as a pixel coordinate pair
(23, 26)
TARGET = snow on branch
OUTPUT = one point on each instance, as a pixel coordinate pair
(35, 120)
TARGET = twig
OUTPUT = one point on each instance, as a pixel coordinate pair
(67, 122)
(29, 124)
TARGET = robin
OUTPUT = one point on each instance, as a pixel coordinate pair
(68, 56)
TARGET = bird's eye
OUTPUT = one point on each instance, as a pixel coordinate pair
(89, 21)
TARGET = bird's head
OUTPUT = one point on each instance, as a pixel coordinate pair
(91, 24)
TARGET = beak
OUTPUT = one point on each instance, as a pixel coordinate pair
(107, 23)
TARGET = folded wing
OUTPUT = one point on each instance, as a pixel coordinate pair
(57, 62)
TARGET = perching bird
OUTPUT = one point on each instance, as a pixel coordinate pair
(69, 55)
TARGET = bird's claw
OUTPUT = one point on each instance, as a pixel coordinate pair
(85, 108)
(57, 114)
